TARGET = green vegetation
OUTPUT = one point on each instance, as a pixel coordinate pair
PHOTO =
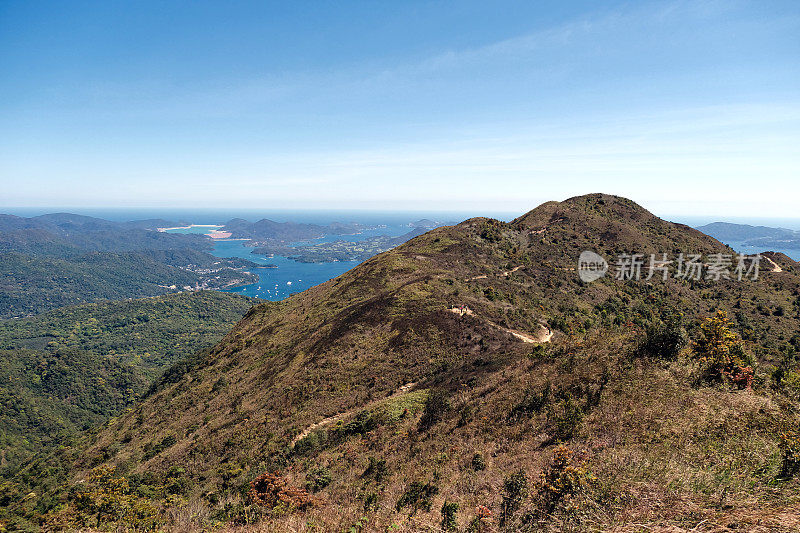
(150, 333)
(31, 285)
(721, 353)
(72, 368)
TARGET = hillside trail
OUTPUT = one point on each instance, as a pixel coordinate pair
(775, 267)
(543, 337)
(502, 274)
(335, 418)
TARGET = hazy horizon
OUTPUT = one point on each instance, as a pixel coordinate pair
(322, 216)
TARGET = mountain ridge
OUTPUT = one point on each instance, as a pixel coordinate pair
(346, 347)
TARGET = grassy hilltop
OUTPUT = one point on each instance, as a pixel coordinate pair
(367, 404)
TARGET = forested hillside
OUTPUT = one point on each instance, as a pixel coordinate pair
(72, 368)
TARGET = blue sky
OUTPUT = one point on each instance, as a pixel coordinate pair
(688, 107)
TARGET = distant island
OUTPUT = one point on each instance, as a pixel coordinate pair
(339, 250)
(762, 237)
(269, 230)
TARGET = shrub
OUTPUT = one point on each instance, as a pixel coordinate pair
(532, 402)
(719, 350)
(362, 423)
(310, 443)
(108, 500)
(273, 491)
(563, 481)
(664, 340)
(152, 449)
(449, 510)
(491, 294)
(418, 496)
(790, 449)
(515, 489)
(436, 405)
(376, 468)
(565, 419)
(318, 478)
(478, 462)
(481, 522)
(491, 231)
(790, 382)
(370, 502)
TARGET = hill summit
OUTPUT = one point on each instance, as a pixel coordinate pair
(469, 379)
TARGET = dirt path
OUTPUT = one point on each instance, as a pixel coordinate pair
(775, 266)
(335, 418)
(502, 274)
(544, 336)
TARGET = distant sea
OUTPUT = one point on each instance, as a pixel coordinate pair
(220, 216)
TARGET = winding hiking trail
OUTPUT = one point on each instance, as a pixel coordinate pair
(335, 418)
(509, 272)
(545, 335)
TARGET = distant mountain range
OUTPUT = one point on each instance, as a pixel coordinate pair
(269, 230)
(762, 237)
(60, 259)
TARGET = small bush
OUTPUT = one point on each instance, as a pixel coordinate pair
(361, 424)
(515, 489)
(418, 496)
(318, 478)
(105, 500)
(370, 502)
(719, 350)
(563, 482)
(482, 520)
(478, 462)
(790, 449)
(153, 449)
(449, 510)
(664, 340)
(435, 408)
(273, 491)
(532, 402)
(376, 469)
(565, 418)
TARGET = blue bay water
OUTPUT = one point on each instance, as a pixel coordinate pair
(290, 276)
